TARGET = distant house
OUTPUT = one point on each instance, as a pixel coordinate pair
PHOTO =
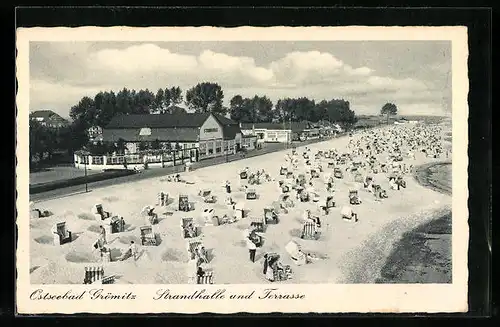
(95, 134)
(49, 118)
(275, 132)
(208, 135)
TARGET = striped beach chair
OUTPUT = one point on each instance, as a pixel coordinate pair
(192, 245)
(207, 278)
(258, 224)
(93, 274)
(309, 230)
(162, 199)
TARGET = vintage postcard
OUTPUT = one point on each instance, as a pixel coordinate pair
(293, 170)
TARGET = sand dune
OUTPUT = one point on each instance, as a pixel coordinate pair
(349, 252)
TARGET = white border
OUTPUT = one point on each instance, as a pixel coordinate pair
(319, 297)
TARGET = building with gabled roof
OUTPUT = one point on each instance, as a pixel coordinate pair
(49, 118)
(209, 134)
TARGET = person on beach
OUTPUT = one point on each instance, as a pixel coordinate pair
(132, 251)
(252, 248)
(102, 235)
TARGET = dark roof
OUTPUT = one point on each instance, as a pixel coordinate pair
(158, 120)
(229, 127)
(190, 134)
(165, 120)
(49, 116)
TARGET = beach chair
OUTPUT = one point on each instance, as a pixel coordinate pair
(302, 179)
(289, 174)
(337, 173)
(34, 213)
(346, 213)
(162, 199)
(284, 187)
(309, 230)
(148, 237)
(295, 253)
(105, 254)
(286, 201)
(208, 215)
(354, 198)
(117, 224)
(358, 178)
(37, 213)
(243, 175)
(258, 224)
(330, 202)
(188, 228)
(61, 234)
(184, 204)
(207, 278)
(401, 182)
(280, 272)
(383, 168)
(207, 196)
(149, 216)
(196, 250)
(304, 196)
(368, 181)
(251, 194)
(99, 213)
(270, 215)
(314, 173)
(93, 275)
(379, 192)
(283, 171)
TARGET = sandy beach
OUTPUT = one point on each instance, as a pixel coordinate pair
(348, 252)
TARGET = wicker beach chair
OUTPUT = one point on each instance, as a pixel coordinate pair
(61, 234)
(148, 237)
(188, 228)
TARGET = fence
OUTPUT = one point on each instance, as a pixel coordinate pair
(136, 160)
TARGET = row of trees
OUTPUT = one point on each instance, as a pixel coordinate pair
(261, 109)
(204, 97)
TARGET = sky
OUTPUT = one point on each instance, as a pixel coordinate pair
(414, 75)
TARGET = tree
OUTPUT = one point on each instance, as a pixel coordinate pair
(105, 103)
(389, 109)
(155, 145)
(124, 101)
(121, 146)
(205, 97)
(175, 95)
(235, 106)
(143, 146)
(262, 108)
(84, 112)
(159, 104)
(143, 102)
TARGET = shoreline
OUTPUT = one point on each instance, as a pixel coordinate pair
(423, 254)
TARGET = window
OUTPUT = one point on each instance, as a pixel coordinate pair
(210, 148)
(210, 130)
(145, 131)
(218, 146)
(84, 160)
(116, 160)
(271, 135)
(203, 148)
(97, 160)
